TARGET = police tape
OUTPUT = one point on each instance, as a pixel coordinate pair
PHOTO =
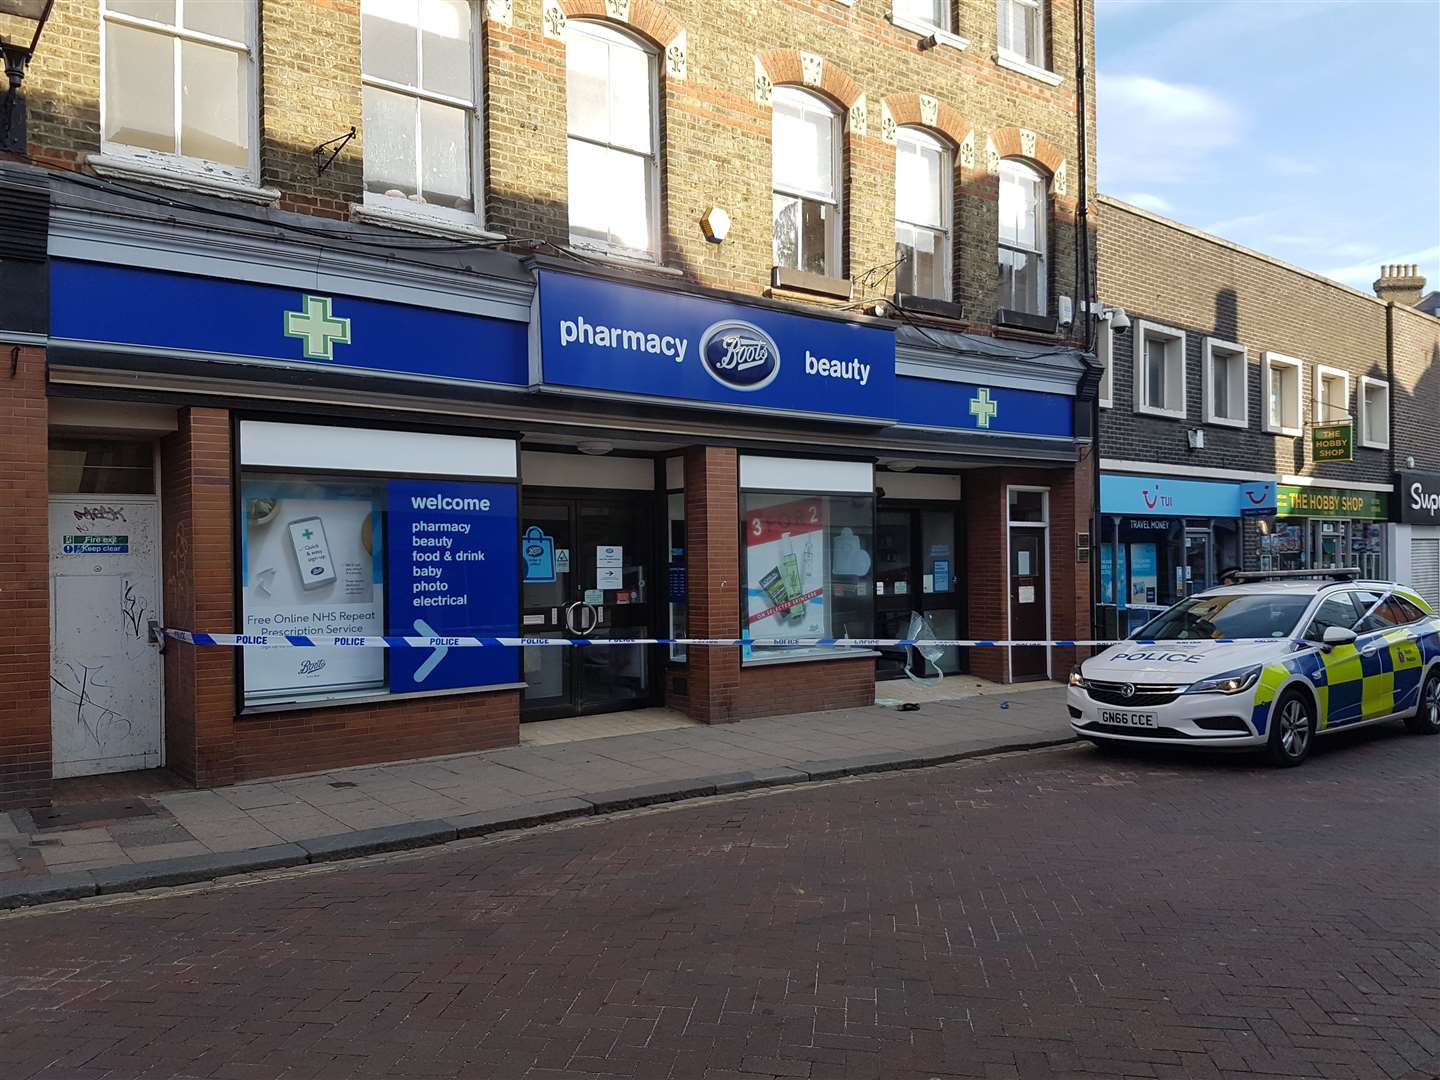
(307, 641)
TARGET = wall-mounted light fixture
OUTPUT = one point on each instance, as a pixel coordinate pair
(17, 58)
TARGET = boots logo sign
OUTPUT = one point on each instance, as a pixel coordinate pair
(739, 355)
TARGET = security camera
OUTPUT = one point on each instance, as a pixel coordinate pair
(1119, 321)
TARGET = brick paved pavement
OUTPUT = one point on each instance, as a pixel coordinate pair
(1048, 914)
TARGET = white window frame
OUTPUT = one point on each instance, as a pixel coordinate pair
(182, 165)
(834, 267)
(651, 254)
(1271, 361)
(1010, 59)
(1231, 352)
(1367, 383)
(1042, 228)
(943, 32)
(1317, 414)
(947, 184)
(1105, 353)
(381, 206)
(1176, 342)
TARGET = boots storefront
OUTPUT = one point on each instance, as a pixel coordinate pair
(254, 430)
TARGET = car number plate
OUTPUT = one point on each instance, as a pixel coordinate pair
(1128, 719)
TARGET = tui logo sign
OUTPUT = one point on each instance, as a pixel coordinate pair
(739, 355)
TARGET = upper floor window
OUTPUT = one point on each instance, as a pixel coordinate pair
(179, 84)
(805, 155)
(1332, 395)
(922, 214)
(1024, 207)
(1283, 394)
(1224, 384)
(1159, 370)
(934, 13)
(417, 64)
(1374, 413)
(610, 82)
(1022, 31)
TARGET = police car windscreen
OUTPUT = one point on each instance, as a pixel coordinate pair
(1231, 616)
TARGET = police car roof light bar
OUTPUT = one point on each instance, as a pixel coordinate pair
(1346, 573)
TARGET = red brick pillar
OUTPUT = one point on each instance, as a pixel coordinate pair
(24, 583)
(1071, 497)
(986, 550)
(712, 559)
(196, 511)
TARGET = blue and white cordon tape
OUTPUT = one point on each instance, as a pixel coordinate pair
(307, 641)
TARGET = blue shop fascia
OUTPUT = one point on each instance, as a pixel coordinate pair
(436, 438)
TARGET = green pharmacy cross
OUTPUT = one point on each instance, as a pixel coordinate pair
(983, 409)
(317, 328)
(308, 534)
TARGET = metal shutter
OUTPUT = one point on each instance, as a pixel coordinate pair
(1425, 569)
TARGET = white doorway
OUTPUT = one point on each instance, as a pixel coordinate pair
(106, 676)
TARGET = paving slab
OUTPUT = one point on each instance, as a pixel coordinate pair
(197, 835)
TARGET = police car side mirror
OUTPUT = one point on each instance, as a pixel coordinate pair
(1337, 635)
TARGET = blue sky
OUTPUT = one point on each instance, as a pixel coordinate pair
(1307, 130)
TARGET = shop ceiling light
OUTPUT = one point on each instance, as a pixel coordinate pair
(900, 466)
(594, 447)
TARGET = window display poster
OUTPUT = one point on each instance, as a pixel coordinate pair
(941, 575)
(785, 570)
(541, 560)
(1144, 574)
(453, 556)
(311, 562)
(1108, 572)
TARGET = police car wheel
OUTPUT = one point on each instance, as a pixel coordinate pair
(1292, 730)
(1426, 720)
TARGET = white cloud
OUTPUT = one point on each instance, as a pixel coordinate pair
(1153, 131)
(1147, 200)
(1362, 274)
(1289, 165)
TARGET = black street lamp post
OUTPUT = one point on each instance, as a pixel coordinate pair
(17, 57)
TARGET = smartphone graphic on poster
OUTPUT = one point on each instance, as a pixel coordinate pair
(312, 552)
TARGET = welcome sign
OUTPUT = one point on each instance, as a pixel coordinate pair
(594, 334)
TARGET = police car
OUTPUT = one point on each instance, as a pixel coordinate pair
(1269, 664)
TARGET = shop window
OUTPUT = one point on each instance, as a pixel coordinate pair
(417, 62)
(922, 214)
(1159, 370)
(1332, 395)
(1374, 413)
(805, 145)
(1022, 32)
(809, 569)
(1283, 394)
(178, 89)
(101, 467)
(1024, 210)
(1225, 377)
(1027, 507)
(610, 81)
(1105, 353)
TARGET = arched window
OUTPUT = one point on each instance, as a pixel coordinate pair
(1024, 207)
(922, 214)
(611, 111)
(805, 154)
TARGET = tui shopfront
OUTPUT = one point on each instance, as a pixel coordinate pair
(255, 432)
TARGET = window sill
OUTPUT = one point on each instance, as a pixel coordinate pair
(1015, 62)
(1220, 421)
(1365, 444)
(782, 277)
(181, 179)
(928, 30)
(1285, 432)
(630, 261)
(1106, 403)
(1163, 414)
(808, 658)
(418, 222)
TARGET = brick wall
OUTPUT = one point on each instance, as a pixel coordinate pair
(1415, 389)
(714, 121)
(1167, 273)
(24, 584)
(712, 567)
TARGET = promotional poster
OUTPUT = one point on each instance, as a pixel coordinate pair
(312, 563)
(785, 570)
